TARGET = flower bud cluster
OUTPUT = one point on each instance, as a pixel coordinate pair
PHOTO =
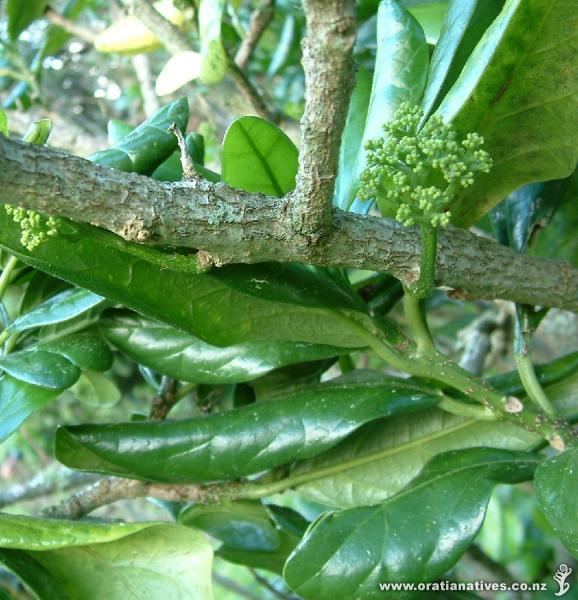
(35, 227)
(421, 170)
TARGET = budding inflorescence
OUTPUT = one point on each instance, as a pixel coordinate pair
(35, 227)
(419, 171)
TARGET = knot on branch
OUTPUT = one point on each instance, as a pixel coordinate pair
(135, 230)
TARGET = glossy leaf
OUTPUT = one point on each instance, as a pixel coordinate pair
(559, 240)
(273, 561)
(214, 57)
(21, 14)
(185, 357)
(381, 458)
(147, 146)
(351, 141)
(40, 288)
(32, 573)
(243, 441)
(416, 535)
(517, 218)
(41, 368)
(117, 130)
(92, 561)
(561, 368)
(258, 157)
(171, 169)
(400, 75)
(62, 307)
(292, 283)
(18, 400)
(33, 533)
(85, 350)
(239, 525)
(465, 23)
(518, 90)
(124, 273)
(556, 485)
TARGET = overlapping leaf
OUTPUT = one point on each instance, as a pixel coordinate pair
(185, 357)
(416, 535)
(556, 489)
(243, 441)
(382, 457)
(66, 560)
(519, 90)
(465, 23)
(149, 144)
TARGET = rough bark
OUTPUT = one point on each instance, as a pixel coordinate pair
(238, 226)
(329, 69)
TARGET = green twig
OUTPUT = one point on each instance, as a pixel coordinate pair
(531, 384)
(415, 314)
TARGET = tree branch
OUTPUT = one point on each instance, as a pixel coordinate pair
(112, 489)
(260, 19)
(329, 75)
(238, 226)
(45, 483)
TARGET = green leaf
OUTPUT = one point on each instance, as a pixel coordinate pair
(117, 130)
(21, 14)
(559, 240)
(351, 141)
(430, 15)
(239, 525)
(33, 533)
(41, 368)
(171, 169)
(381, 458)
(560, 369)
(126, 560)
(150, 144)
(273, 561)
(415, 536)
(556, 485)
(400, 75)
(18, 400)
(96, 389)
(32, 573)
(258, 157)
(214, 57)
(201, 304)
(519, 217)
(62, 307)
(292, 283)
(518, 89)
(85, 350)
(465, 23)
(243, 441)
(182, 356)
